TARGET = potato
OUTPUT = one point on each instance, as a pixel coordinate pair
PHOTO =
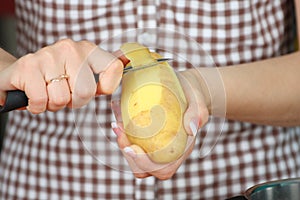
(152, 106)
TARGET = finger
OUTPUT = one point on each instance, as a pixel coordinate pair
(189, 147)
(83, 86)
(57, 86)
(30, 78)
(25, 75)
(100, 60)
(119, 54)
(116, 108)
(192, 121)
(110, 79)
(130, 155)
(122, 139)
(71, 58)
(58, 94)
(138, 160)
(143, 161)
(160, 171)
(141, 164)
(109, 68)
(36, 92)
(196, 114)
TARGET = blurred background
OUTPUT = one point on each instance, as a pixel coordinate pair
(7, 26)
(8, 43)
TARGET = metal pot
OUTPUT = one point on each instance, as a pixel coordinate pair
(286, 189)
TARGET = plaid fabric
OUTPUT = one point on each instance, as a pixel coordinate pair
(72, 154)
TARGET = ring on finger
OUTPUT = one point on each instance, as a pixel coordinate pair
(58, 78)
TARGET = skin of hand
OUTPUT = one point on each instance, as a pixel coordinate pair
(79, 60)
(140, 164)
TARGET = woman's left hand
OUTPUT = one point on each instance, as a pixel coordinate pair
(141, 165)
(195, 117)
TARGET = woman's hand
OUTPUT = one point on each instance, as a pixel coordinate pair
(141, 165)
(62, 75)
(195, 117)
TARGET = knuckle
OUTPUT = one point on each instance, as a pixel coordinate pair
(85, 93)
(66, 45)
(46, 54)
(117, 66)
(36, 110)
(71, 45)
(105, 91)
(165, 176)
(23, 67)
(86, 43)
(54, 109)
(40, 101)
(60, 101)
(140, 175)
(118, 63)
(25, 63)
(37, 105)
(66, 41)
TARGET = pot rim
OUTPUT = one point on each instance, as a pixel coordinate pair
(269, 184)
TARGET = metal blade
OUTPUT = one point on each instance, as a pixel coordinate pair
(159, 60)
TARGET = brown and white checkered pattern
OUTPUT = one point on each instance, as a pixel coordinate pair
(73, 154)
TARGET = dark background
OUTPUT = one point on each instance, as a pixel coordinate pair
(8, 43)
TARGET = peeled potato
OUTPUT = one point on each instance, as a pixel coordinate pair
(152, 106)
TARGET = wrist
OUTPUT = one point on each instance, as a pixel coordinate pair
(208, 83)
(200, 84)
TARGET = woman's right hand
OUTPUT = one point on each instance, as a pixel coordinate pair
(62, 75)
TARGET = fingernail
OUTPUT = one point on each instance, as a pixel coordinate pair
(129, 151)
(114, 125)
(194, 128)
(116, 129)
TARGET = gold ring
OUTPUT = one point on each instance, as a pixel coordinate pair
(57, 79)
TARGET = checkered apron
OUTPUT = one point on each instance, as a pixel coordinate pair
(72, 154)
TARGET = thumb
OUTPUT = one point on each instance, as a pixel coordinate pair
(192, 120)
(141, 159)
(196, 114)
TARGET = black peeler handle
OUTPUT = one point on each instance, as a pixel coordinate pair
(15, 99)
